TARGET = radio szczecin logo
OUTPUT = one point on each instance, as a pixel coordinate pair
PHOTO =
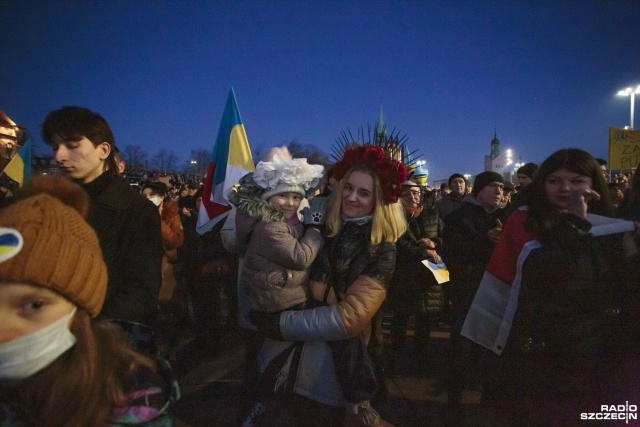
(624, 412)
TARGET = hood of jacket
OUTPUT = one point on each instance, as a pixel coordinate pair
(469, 198)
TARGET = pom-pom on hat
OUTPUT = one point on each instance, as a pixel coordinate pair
(283, 176)
(51, 245)
(485, 178)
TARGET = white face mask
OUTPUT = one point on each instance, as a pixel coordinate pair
(24, 356)
(155, 201)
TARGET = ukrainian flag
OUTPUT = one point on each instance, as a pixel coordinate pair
(231, 159)
(19, 168)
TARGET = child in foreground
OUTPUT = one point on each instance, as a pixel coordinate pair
(58, 367)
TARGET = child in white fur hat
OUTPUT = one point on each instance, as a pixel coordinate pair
(280, 248)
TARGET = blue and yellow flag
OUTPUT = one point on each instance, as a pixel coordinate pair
(231, 159)
(19, 168)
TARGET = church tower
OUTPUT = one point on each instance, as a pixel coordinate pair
(495, 146)
(496, 161)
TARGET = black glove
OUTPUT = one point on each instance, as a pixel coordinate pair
(267, 323)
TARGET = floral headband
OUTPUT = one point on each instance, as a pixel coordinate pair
(392, 173)
(288, 172)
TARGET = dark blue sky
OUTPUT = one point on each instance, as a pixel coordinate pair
(545, 72)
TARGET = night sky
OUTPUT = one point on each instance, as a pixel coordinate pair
(544, 74)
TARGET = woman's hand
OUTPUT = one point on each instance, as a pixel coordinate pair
(579, 199)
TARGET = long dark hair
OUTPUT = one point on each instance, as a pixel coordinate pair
(542, 213)
(82, 386)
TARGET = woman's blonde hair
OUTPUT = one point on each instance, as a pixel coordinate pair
(388, 222)
(84, 385)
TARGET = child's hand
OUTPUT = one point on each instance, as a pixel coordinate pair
(315, 214)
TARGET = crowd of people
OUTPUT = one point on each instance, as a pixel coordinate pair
(101, 281)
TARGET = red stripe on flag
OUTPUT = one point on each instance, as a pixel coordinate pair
(213, 209)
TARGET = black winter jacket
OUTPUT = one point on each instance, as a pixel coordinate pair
(128, 227)
(467, 248)
(412, 279)
(569, 338)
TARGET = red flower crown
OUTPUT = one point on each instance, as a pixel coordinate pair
(392, 173)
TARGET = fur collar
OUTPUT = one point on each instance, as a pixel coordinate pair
(254, 207)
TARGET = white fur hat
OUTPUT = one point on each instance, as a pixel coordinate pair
(282, 176)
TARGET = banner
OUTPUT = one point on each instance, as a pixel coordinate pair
(624, 149)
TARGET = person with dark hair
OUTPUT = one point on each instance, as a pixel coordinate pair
(58, 365)
(469, 235)
(127, 225)
(630, 206)
(172, 234)
(453, 200)
(566, 349)
(449, 202)
(525, 174)
(616, 195)
(120, 163)
(444, 190)
(330, 184)
(414, 291)
(603, 168)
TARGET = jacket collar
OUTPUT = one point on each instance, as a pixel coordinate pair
(111, 190)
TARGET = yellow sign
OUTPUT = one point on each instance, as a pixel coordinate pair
(624, 149)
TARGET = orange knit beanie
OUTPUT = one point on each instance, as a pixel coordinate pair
(45, 241)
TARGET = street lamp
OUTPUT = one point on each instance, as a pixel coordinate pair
(632, 93)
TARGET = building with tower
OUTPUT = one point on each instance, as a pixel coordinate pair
(499, 162)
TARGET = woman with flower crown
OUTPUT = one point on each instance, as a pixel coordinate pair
(350, 275)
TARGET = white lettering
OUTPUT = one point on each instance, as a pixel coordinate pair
(613, 412)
